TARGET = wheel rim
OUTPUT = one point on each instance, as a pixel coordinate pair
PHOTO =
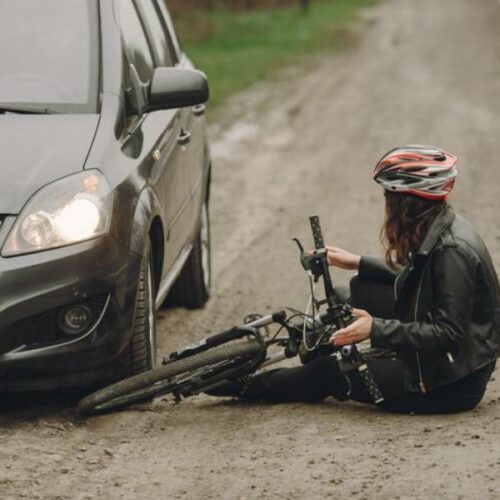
(151, 316)
(205, 247)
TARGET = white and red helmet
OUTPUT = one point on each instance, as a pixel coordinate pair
(423, 171)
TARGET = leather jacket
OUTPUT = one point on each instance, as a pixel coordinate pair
(447, 306)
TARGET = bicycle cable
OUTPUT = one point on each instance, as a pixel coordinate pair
(311, 302)
(297, 314)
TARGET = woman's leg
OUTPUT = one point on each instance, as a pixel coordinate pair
(322, 377)
(309, 383)
(376, 297)
(462, 395)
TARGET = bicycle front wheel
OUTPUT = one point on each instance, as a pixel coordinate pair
(162, 380)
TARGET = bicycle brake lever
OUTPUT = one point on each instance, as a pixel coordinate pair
(299, 244)
(303, 257)
(310, 262)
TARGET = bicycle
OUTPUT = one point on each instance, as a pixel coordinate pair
(242, 350)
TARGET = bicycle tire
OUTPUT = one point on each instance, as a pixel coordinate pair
(112, 397)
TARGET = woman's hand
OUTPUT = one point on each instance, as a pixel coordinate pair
(356, 332)
(342, 258)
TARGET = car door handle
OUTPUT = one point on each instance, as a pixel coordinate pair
(199, 110)
(184, 137)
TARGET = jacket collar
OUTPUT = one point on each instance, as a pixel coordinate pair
(443, 221)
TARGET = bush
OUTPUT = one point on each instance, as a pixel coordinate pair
(238, 49)
(182, 6)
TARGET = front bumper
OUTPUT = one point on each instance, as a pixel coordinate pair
(34, 287)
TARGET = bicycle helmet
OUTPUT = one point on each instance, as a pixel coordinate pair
(423, 171)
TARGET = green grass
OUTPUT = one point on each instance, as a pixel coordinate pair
(237, 49)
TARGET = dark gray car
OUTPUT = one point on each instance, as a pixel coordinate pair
(105, 173)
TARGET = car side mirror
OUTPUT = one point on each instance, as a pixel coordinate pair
(177, 88)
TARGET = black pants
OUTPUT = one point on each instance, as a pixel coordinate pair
(322, 377)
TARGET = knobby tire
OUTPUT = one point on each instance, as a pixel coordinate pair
(141, 388)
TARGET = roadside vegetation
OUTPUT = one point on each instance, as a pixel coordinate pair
(238, 43)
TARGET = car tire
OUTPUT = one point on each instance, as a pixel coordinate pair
(192, 287)
(140, 354)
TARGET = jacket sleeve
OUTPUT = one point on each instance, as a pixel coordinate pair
(453, 278)
(373, 269)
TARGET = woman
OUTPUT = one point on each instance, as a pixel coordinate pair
(440, 348)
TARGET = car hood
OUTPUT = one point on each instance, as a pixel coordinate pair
(35, 150)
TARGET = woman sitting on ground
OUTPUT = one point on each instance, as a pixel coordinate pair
(441, 332)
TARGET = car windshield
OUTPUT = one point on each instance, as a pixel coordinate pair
(49, 56)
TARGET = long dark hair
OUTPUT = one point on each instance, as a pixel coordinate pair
(407, 220)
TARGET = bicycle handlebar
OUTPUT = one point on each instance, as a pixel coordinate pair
(330, 294)
(316, 230)
(349, 356)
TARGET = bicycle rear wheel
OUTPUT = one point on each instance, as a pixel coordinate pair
(162, 380)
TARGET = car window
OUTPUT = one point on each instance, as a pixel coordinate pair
(136, 44)
(49, 55)
(158, 34)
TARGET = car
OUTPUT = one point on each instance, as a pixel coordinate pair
(104, 192)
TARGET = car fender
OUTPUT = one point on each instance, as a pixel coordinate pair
(147, 209)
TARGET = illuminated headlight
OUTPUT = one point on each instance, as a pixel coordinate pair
(72, 209)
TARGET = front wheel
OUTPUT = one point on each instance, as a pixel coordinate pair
(140, 355)
(162, 380)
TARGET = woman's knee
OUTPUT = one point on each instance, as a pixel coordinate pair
(374, 296)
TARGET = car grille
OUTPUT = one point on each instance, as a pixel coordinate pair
(42, 330)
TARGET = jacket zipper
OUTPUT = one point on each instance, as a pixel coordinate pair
(448, 354)
(421, 379)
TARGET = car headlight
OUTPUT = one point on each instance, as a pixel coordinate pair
(72, 209)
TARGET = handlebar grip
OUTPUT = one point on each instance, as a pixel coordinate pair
(316, 230)
(370, 384)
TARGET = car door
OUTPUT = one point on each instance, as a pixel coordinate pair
(162, 151)
(193, 123)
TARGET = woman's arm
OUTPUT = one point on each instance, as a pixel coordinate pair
(370, 268)
(338, 257)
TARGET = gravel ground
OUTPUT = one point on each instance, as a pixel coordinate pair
(423, 72)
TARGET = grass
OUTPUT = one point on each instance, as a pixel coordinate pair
(238, 49)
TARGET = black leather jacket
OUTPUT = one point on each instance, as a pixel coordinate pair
(447, 306)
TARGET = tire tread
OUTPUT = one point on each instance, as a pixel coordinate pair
(89, 404)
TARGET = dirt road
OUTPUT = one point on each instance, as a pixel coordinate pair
(423, 72)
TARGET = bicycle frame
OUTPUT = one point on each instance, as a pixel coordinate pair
(235, 368)
(338, 315)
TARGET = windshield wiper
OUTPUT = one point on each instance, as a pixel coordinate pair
(24, 110)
